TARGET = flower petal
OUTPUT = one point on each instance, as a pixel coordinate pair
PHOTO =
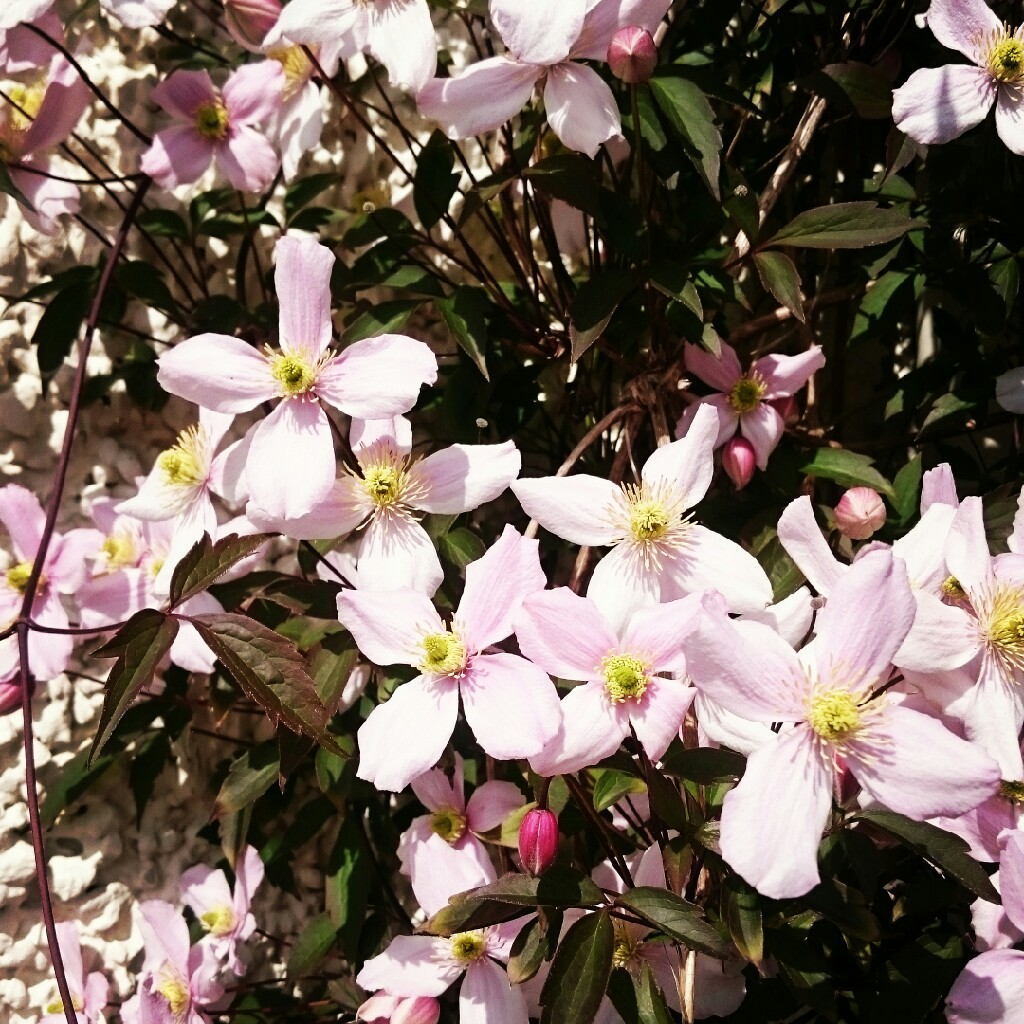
(763, 427)
(989, 990)
(396, 553)
(938, 487)
(605, 18)
(685, 467)
(252, 93)
(786, 375)
(177, 156)
(622, 585)
(580, 107)
(538, 34)
(967, 553)
(464, 476)
(387, 626)
(658, 635)
(658, 716)
(183, 91)
(319, 21)
(247, 159)
(491, 804)
(960, 24)
(576, 508)
(936, 105)
(410, 966)
(302, 280)
(339, 513)
(592, 727)
(217, 372)
(1010, 117)
(487, 995)
(804, 543)
(401, 37)
(564, 634)
(24, 518)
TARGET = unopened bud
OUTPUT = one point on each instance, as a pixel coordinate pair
(249, 21)
(859, 513)
(10, 697)
(538, 841)
(632, 55)
(739, 460)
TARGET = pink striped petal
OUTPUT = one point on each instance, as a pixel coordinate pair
(388, 626)
(183, 91)
(253, 93)
(1010, 116)
(396, 553)
(401, 37)
(538, 34)
(177, 156)
(605, 18)
(763, 427)
(412, 965)
(658, 716)
(659, 635)
(487, 995)
(622, 584)
(1011, 877)
(491, 804)
(721, 371)
(464, 476)
(786, 375)
(580, 107)
(575, 508)
(936, 105)
(967, 553)
(217, 372)
(804, 543)
(938, 487)
(345, 508)
(247, 159)
(960, 24)
(686, 467)
(24, 518)
(302, 279)
(989, 990)
(592, 728)
(564, 634)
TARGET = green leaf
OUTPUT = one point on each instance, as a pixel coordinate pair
(906, 486)
(582, 964)
(741, 911)
(637, 996)
(345, 881)
(871, 314)
(705, 765)
(248, 778)
(461, 547)
(942, 848)
(594, 306)
(311, 947)
(269, 670)
(140, 646)
(847, 468)
(73, 779)
(205, 562)
(382, 318)
(163, 224)
(434, 183)
(535, 943)
(844, 226)
(673, 279)
(779, 276)
(666, 801)
(690, 114)
(569, 177)
(949, 406)
(612, 785)
(681, 921)
(866, 87)
(303, 191)
(145, 282)
(60, 324)
(465, 312)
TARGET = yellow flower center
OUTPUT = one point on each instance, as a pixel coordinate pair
(1012, 790)
(448, 824)
(444, 653)
(626, 946)
(834, 716)
(625, 677)
(952, 589)
(1007, 633)
(383, 483)
(468, 947)
(219, 921)
(212, 120)
(649, 520)
(57, 1006)
(17, 577)
(185, 464)
(293, 373)
(21, 110)
(171, 985)
(120, 551)
(746, 394)
(296, 66)
(1005, 58)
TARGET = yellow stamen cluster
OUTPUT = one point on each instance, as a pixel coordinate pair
(219, 921)
(172, 987)
(293, 373)
(444, 654)
(24, 104)
(119, 550)
(1012, 790)
(212, 120)
(746, 394)
(626, 945)
(648, 520)
(834, 715)
(186, 463)
(449, 824)
(1003, 626)
(57, 1006)
(1004, 56)
(953, 589)
(18, 575)
(296, 66)
(625, 677)
(468, 947)
(383, 483)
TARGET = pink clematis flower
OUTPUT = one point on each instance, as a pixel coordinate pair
(989, 990)
(659, 553)
(510, 704)
(383, 1009)
(773, 820)
(936, 105)
(22, 50)
(63, 573)
(88, 994)
(545, 42)
(223, 912)
(291, 463)
(386, 493)
(744, 400)
(17, 11)
(219, 126)
(398, 33)
(628, 677)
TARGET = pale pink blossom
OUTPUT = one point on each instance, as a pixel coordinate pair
(510, 705)
(826, 696)
(21, 49)
(658, 552)
(138, 13)
(989, 990)
(223, 127)
(291, 464)
(860, 513)
(936, 105)
(744, 400)
(249, 22)
(545, 43)
(16, 11)
(629, 675)
(384, 1009)
(88, 993)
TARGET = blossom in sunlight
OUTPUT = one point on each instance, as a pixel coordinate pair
(88, 993)
(628, 675)
(936, 105)
(223, 911)
(510, 704)
(291, 463)
(223, 127)
(138, 13)
(658, 552)
(384, 1009)
(545, 42)
(744, 400)
(826, 696)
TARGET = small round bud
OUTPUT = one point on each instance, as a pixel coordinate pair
(10, 697)
(859, 513)
(739, 460)
(249, 21)
(538, 841)
(632, 55)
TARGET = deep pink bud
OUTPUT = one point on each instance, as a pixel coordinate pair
(10, 697)
(739, 460)
(787, 408)
(859, 513)
(538, 841)
(632, 55)
(249, 21)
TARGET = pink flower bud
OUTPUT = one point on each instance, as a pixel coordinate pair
(859, 513)
(739, 461)
(787, 408)
(538, 841)
(632, 55)
(385, 1009)
(249, 21)
(10, 697)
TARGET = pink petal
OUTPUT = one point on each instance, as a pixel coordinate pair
(658, 716)
(401, 37)
(302, 279)
(488, 996)
(177, 156)
(721, 372)
(575, 508)
(967, 554)
(992, 718)
(227, 471)
(564, 634)
(63, 104)
(922, 548)
(253, 93)
(164, 934)
(510, 704)
(115, 597)
(49, 653)
(773, 820)
(786, 375)
(491, 804)
(580, 107)
(438, 871)
(622, 584)
(24, 518)
(989, 990)
(1011, 876)
(538, 34)
(942, 637)
(728, 418)
(936, 105)
(183, 91)
(71, 954)
(802, 539)
(658, 635)
(405, 736)
(960, 24)
(388, 626)
(791, 617)
(397, 430)
(378, 377)
(189, 650)
(95, 996)
(480, 98)
(321, 21)
(464, 476)
(217, 372)
(938, 487)
(249, 874)
(436, 793)
(412, 965)
(50, 198)
(247, 159)
(292, 466)
(1010, 116)
(763, 427)
(497, 583)
(605, 18)
(716, 725)
(203, 889)
(592, 728)
(21, 49)
(396, 553)
(339, 513)
(685, 467)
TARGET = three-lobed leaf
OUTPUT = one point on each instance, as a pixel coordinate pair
(206, 561)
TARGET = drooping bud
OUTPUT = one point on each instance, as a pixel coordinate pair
(739, 460)
(632, 55)
(10, 697)
(249, 21)
(538, 841)
(860, 513)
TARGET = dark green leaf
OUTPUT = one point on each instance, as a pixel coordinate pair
(741, 911)
(666, 801)
(848, 468)
(866, 87)
(163, 224)
(345, 881)
(690, 114)
(579, 973)
(303, 191)
(73, 779)
(637, 997)
(705, 765)
(144, 281)
(569, 177)
(906, 486)
(779, 276)
(434, 183)
(535, 943)
(465, 313)
(844, 226)
(460, 547)
(611, 786)
(382, 318)
(249, 777)
(681, 921)
(594, 306)
(311, 948)
(60, 325)
(205, 562)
